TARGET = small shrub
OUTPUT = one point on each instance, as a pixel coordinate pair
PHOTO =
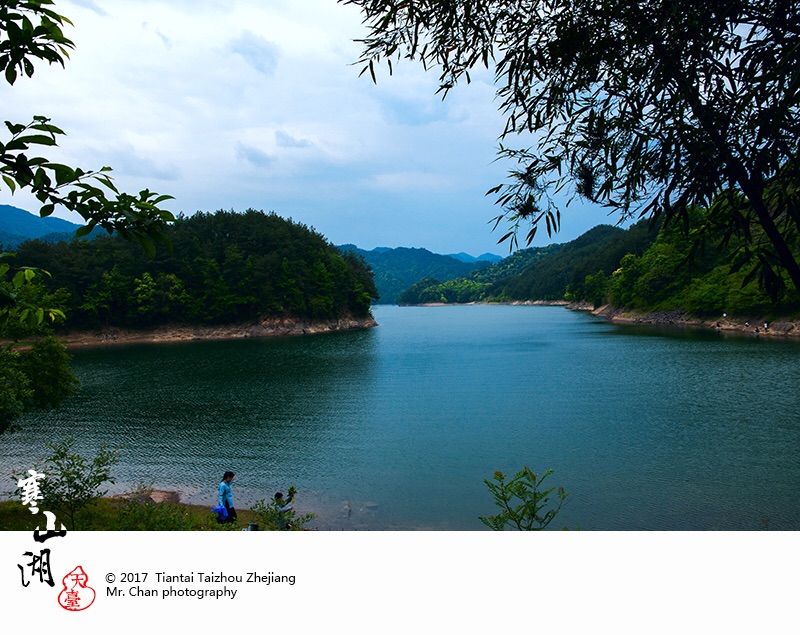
(523, 504)
(270, 517)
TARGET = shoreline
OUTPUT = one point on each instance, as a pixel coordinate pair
(269, 327)
(563, 303)
(788, 326)
(740, 324)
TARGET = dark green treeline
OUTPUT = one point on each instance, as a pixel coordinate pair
(224, 267)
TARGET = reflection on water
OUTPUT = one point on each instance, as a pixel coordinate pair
(397, 427)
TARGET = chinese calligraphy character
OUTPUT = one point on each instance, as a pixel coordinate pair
(39, 565)
(51, 532)
(30, 490)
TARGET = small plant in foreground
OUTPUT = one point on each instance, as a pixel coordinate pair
(522, 502)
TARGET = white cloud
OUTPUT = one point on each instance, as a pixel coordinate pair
(411, 182)
(253, 155)
(285, 140)
(259, 53)
(88, 4)
(126, 160)
(256, 103)
(164, 39)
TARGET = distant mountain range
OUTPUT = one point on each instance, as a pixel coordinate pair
(17, 225)
(395, 270)
(487, 257)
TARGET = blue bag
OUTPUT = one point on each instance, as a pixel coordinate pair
(221, 512)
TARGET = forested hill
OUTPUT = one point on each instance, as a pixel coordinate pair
(397, 269)
(720, 278)
(223, 268)
(599, 249)
(543, 273)
(474, 286)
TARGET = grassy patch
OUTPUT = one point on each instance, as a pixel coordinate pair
(126, 514)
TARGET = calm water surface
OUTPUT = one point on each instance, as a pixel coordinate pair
(396, 427)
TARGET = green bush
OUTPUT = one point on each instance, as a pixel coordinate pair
(707, 295)
(270, 517)
(522, 502)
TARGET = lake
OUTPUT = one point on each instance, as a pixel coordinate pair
(396, 427)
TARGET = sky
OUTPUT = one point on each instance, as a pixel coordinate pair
(259, 104)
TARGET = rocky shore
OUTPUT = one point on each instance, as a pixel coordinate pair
(746, 325)
(269, 327)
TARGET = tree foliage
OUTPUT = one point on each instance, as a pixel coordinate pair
(37, 377)
(397, 269)
(433, 291)
(648, 107)
(555, 272)
(478, 285)
(660, 279)
(47, 364)
(225, 267)
(600, 248)
(23, 301)
(31, 31)
(15, 390)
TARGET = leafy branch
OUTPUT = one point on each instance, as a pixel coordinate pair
(32, 31)
(92, 193)
(523, 504)
(15, 306)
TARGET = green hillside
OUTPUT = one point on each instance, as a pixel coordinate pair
(475, 286)
(397, 269)
(540, 273)
(721, 278)
(224, 267)
(599, 249)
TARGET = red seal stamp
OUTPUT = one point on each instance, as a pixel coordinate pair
(76, 595)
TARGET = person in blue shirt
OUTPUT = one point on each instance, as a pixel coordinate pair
(226, 497)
